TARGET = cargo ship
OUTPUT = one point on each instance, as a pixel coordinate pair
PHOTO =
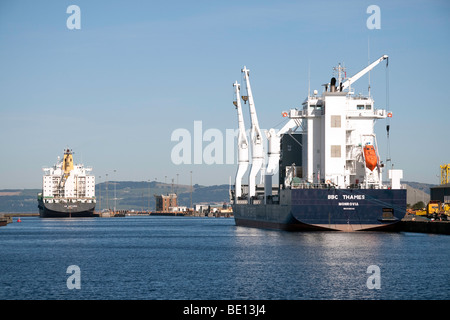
(326, 160)
(68, 191)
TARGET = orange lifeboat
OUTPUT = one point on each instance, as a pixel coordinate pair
(371, 157)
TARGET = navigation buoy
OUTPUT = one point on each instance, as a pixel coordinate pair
(18, 220)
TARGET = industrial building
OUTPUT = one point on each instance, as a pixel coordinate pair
(441, 193)
(165, 202)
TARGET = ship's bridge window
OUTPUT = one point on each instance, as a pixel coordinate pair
(368, 107)
(316, 106)
(360, 107)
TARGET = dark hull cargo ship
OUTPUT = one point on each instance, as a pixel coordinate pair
(68, 191)
(330, 176)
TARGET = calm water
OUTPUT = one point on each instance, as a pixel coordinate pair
(210, 258)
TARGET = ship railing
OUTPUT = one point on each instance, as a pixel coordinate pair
(376, 113)
(69, 200)
(305, 113)
(306, 185)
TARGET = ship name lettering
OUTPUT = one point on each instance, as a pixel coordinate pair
(353, 197)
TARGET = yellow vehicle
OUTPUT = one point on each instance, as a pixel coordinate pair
(433, 208)
(447, 209)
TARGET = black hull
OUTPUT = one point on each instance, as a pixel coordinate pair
(327, 210)
(65, 210)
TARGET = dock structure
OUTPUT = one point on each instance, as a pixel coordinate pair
(4, 220)
(412, 223)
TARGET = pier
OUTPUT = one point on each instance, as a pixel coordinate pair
(5, 219)
(412, 223)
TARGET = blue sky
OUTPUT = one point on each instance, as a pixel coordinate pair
(115, 90)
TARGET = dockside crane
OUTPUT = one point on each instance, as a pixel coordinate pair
(255, 137)
(242, 143)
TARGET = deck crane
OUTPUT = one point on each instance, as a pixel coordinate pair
(256, 138)
(346, 84)
(242, 143)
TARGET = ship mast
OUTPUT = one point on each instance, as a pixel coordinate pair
(242, 143)
(256, 138)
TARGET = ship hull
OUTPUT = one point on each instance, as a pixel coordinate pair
(75, 209)
(327, 210)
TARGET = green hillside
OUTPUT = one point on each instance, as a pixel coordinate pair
(124, 195)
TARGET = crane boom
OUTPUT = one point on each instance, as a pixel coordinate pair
(256, 138)
(242, 143)
(353, 79)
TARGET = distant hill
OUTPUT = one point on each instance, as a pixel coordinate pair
(139, 195)
(124, 195)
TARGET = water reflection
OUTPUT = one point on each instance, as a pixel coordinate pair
(209, 258)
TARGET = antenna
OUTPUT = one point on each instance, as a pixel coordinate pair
(309, 78)
(368, 59)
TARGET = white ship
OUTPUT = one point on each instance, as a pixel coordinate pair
(68, 190)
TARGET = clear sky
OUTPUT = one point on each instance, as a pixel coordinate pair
(115, 90)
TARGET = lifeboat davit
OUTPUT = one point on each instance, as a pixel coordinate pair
(371, 157)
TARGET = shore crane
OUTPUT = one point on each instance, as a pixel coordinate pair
(243, 150)
(255, 137)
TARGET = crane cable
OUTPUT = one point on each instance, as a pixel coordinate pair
(388, 126)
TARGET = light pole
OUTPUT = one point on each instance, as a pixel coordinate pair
(148, 195)
(191, 190)
(107, 193)
(100, 193)
(115, 191)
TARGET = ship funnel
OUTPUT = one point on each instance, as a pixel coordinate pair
(333, 85)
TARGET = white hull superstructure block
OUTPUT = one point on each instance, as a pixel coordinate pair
(337, 127)
(338, 143)
(66, 180)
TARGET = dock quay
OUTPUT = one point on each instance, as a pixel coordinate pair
(412, 223)
(4, 220)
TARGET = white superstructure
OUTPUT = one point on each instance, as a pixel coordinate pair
(68, 180)
(337, 127)
(339, 146)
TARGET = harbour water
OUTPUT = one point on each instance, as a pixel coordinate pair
(173, 258)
